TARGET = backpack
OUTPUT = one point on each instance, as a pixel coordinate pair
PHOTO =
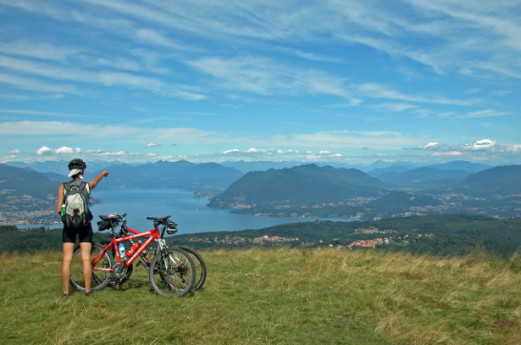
(76, 201)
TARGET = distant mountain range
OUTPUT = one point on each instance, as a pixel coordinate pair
(428, 177)
(160, 174)
(305, 190)
(28, 196)
(313, 191)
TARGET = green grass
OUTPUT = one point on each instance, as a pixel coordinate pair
(276, 296)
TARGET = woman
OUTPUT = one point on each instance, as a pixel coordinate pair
(83, 230)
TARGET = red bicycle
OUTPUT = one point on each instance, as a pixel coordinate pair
(171, 271)
(146, 258)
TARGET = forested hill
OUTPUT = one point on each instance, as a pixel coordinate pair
(440, 235)
(502, 180)
(17, 182)
(25, 192)
(299, 185)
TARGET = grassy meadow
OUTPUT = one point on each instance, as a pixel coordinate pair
(275, 296)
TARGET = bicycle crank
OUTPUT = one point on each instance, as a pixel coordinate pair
(120, 271)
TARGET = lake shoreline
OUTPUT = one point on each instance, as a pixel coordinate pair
(191, 214)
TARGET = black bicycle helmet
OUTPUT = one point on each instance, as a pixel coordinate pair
(77, 163)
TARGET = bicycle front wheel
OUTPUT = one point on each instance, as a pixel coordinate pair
(101, 266)
(172, 273)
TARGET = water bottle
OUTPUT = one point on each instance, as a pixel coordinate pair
(121, 250)
(132, 249)
(63, 213)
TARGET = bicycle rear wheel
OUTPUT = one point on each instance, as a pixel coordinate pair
(172, 273)
(200, 267)
(101, 274)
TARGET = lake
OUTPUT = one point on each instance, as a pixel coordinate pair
(191, 214)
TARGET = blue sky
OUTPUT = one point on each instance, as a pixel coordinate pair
(338, 81)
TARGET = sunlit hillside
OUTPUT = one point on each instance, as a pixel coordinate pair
(278, 296)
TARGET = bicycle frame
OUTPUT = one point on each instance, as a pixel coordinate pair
(151, 235)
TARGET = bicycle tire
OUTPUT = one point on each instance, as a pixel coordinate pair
(200, 267)
(100, 278)
(171, 273)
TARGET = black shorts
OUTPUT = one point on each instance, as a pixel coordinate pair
(84, 233)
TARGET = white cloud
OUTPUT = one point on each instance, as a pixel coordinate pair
(43, 151)
(65, 150)
(457, 149)
(280, 154)
(483, 144)
(249, 152)
(432, 146)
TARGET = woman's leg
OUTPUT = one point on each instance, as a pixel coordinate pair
(68, 249)
(86, 249)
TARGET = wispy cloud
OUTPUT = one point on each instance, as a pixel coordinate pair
(39, 50)
(44, 113)
(486, 113)
(159, 63)
(354, 139)
(267, 77)
(103, 78)
(36, 84)
(465, 35)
